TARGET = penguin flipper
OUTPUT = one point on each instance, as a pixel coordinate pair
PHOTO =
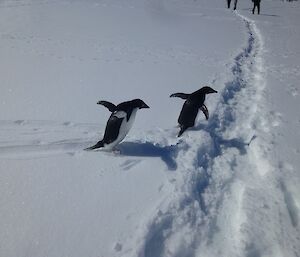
(110, 106)
(204, 109)
(180, 95)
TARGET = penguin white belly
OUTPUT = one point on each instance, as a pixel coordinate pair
(123, 131)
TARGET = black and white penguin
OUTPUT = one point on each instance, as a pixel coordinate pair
(193, 103)
(119, 122)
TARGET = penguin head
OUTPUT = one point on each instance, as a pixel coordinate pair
(208, 90)
(138, 103)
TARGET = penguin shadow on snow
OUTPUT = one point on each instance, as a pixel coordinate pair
(269, 15)
(205, 155)
(167, 154)
(220, 142)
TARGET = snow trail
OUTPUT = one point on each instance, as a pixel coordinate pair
(214, 165)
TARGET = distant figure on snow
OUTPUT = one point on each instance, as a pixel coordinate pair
(228, 4)
(191, 106)
(256, 3)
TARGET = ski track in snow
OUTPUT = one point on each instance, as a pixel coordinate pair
(105, 51)
(35, 139)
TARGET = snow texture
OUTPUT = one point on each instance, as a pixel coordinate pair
(228, 187)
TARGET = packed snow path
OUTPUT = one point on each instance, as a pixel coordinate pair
(221, 202)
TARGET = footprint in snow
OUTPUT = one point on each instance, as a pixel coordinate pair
(68, 124)
(118, 247)
(276, 118)
(293, 90)
(20, 122)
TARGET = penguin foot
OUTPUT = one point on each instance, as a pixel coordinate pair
(116, 151)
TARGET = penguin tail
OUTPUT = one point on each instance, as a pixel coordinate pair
(182, 129)
(96, 146)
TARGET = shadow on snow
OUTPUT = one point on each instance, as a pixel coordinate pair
(149, 149)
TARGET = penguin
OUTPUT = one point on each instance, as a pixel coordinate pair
(193, 102)
(119, 122)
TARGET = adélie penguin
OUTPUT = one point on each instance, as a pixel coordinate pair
(193, 102)
(119, 122)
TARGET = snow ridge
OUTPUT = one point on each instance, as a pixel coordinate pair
(210, 170)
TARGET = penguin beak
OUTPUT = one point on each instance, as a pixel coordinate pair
(144, 106)
(212, 91)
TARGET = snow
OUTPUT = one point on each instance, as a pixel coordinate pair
(228, 187)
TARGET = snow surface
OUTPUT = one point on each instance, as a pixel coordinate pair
(228, 187)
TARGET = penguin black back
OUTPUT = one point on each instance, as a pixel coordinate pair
(129, 106)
